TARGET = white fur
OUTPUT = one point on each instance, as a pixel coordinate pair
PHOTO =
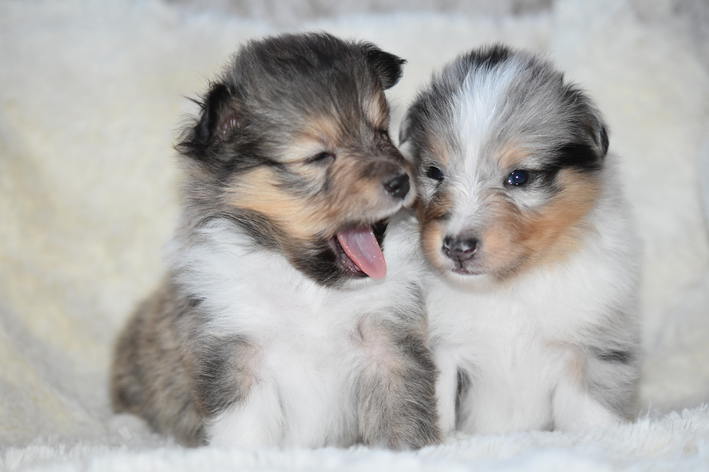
(307, 353)
(518, 341)
(72, 95)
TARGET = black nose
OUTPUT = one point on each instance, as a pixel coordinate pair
(459, 249)
(399, 186)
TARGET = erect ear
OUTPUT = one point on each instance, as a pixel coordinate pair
(388, 67)
(220, 119)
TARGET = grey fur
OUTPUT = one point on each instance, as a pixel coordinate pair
(613, 362)
(395, 398)
(482, 108)
(464, 384)
(149, 377)
(175, 365)
(538, 109)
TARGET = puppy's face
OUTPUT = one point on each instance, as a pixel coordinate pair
(509, 160)
(293, 146)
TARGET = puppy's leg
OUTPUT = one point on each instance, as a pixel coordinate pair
(575, 410)
(446, 390)
(150, 375)
(242, 410)
(256, 421)
(396, 389)
(594, 391)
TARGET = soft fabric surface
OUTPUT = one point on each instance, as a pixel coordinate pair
(90, 96)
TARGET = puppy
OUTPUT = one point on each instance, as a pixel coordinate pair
(534, 263)
(277, 324)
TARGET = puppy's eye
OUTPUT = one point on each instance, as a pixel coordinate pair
(435, 173)
(517, 178)
(384, 134)
(321, 158)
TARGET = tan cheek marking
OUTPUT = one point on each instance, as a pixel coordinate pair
(513, 240)
(555, 233)
(432, 234)
(351, 198)
(431, 228)
(257, 191)
(501, 250)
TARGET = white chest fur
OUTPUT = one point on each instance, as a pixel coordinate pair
(516, 356)
(308, 341)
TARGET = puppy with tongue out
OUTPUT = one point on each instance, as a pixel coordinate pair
(362, 249)
(291, 315)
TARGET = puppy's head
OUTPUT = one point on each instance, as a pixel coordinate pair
(292, 145)
(508, 160)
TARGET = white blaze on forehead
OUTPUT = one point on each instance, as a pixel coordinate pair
(477, 107)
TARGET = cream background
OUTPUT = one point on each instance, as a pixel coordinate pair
(90, 96)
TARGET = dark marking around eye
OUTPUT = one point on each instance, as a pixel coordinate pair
(435, 173)
(578, 156)
(575, 156)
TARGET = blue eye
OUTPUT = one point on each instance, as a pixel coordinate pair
(517, 178)
(435, 173)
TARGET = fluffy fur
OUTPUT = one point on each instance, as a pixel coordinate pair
(265, 332)
(533, 259)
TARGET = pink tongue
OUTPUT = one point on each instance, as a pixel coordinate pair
(361, 246)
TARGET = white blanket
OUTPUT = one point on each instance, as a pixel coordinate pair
(90, 96)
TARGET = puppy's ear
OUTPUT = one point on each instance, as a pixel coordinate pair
(405, 128)
(388, 67)
(602, 138)
(406, 143)
(219, 121)
(590, 119)
(597, 129)
(220, 117)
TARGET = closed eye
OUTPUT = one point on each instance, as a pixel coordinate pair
(384, 134)
(321, 158)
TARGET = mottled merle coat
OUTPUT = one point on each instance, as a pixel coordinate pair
(533, 261)
(267, 330)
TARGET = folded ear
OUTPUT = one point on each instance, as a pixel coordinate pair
(405, 128)
(602, 138)
(218, 122)
(592, 120)
(388, 67)
(589, 118)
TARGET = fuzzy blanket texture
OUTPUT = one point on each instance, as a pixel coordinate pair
(90, 96)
